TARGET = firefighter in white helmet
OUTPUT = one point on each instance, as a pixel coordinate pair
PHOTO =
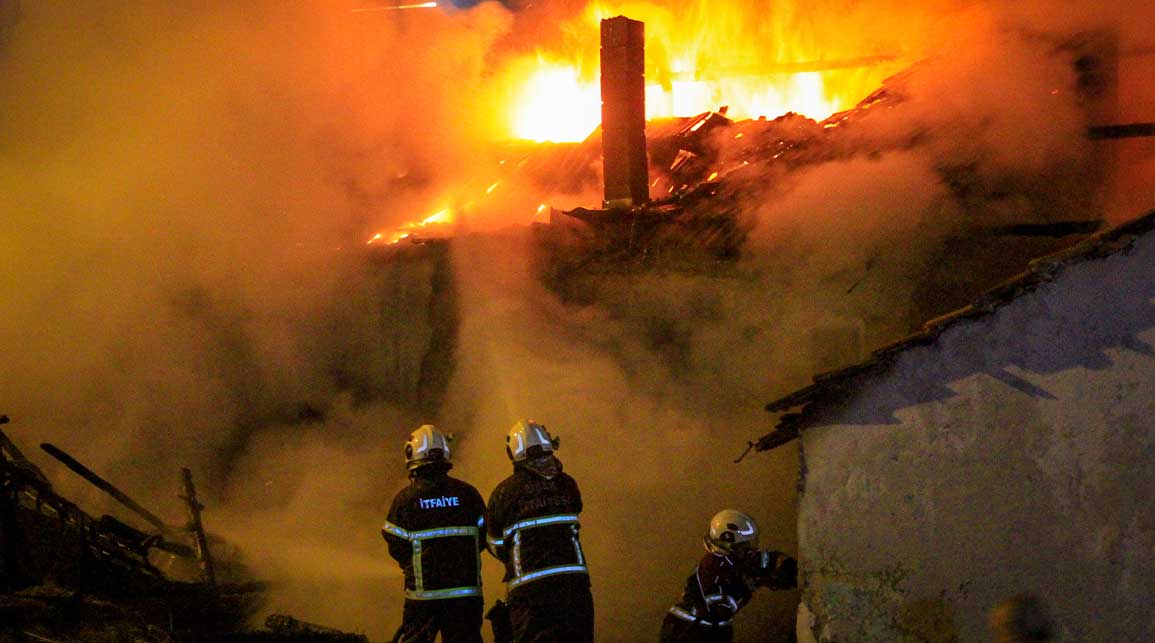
(724, 580)
(436, 531)
(534, 529)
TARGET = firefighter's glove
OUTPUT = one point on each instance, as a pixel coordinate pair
(781, 573)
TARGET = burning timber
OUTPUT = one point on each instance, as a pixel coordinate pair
(707, 177)
(67, 576)
(702, 171)
(705, 171)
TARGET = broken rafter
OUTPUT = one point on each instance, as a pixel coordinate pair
(1129, 130)
(165, 531)
(196, 527)
(11, 453)
(105, 486)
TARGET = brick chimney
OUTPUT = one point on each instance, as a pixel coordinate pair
(624, 163)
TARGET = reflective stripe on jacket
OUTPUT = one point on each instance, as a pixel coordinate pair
(534, 528)
(714, 592)
(722, 585)
(697, 619)
(434, 531)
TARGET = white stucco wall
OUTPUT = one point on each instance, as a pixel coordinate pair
(1015, 454)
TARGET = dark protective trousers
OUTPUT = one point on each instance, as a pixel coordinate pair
(458, 620)
(564, 618)
(676, 630)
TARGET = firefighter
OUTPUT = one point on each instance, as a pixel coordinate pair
(534, 529)
(724, 581)
(435, 531)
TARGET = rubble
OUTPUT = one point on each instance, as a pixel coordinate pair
(203, 555)
(701, 171)
(67, 576)
(126, 532)
(290, 628)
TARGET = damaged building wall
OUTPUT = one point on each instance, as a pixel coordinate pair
(1016, 453)
(410, 349)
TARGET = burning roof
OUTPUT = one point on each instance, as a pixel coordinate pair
(162, 190)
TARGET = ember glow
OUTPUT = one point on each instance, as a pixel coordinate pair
(400, 7)
(751, 58)
(704, 56)
(437, 221)
(556, 104)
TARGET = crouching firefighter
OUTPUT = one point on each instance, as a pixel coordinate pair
(435, 531)
(534, 529)
(724, 580)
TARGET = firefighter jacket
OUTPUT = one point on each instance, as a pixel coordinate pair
(722, 585)
(533, 528)
(435, 530)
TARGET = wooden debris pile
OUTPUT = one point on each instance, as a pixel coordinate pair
(705, 171)
(67, 576)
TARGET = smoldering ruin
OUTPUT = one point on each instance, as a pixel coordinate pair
(222, 261)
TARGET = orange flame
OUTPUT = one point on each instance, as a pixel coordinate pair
(437, 220)
(756, 59)
(556, 104)
(704, 56)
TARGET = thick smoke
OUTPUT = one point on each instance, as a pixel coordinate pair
(657, 385)
(189, 189)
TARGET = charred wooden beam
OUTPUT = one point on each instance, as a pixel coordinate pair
(623, 65)
(196, 527)
(1128, 130)
(286, 625)
(105, 486)
(10, 453)
(165, 531)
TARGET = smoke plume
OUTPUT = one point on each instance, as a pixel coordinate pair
(189, 188)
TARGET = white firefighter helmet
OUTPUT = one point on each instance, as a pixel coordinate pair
(426, 445)
(525, 436)
(731, 529)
